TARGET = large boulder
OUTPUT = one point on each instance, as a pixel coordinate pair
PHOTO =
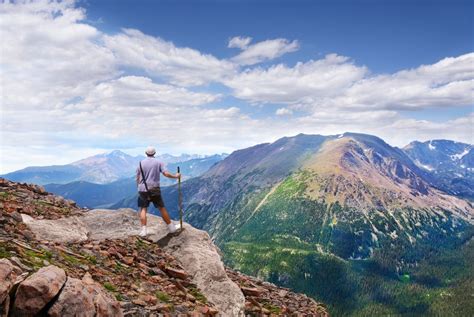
(34, 293)
(200, 258)
(74, 300)
(10, 277)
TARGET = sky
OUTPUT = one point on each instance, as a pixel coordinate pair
(80, 78)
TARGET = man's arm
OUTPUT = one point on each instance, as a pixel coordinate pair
(169, 175)
(138, 176)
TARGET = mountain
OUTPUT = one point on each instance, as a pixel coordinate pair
(346, 219)
(59, 260)
(451, 164)
(92, 195)
(104, 168)
(100, 169)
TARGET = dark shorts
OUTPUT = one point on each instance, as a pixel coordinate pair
(153, 195)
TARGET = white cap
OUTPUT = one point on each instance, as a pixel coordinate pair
(150, 151)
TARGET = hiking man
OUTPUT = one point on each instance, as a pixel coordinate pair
(149, 188)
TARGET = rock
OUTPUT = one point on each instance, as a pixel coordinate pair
(104, 303)
(74, 300)
(6, 278)
(35, 292)
(282, 293)
(63, 230)
(16, 261)
(128, 260)
(176, 273)
(201, 260)
(251, 291)
(5, 307)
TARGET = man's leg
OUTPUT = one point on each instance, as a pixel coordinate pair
(143, 211)
(164, 215)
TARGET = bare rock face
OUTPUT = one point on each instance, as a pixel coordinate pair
(74, 300)
(200, 257)
(38, 290)
(69, 229)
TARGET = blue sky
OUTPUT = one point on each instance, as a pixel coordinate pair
(386, 35)
(80, 78)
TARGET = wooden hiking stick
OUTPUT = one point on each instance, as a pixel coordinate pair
(180, 202)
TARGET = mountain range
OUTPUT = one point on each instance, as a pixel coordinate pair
(449, 163)
(91, 195)
(346, 219)
(367, 228)
(104, 168)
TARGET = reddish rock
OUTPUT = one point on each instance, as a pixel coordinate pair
(38, 290)
(74, 300)
(128, 260)
(105, 304)
(5, 307)
(6, 278)
(176, 273)
(251, 291)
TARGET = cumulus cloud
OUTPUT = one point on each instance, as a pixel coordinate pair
(303, 83)
(48, 55)
(447, 83)
(66, 87)
(264, 51)
(336, 82)
(239, 42)
(181, 65)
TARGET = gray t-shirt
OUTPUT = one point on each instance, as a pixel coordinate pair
(152, 169)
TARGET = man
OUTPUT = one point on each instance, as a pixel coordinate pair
(149, 189)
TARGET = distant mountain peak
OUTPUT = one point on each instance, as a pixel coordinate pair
(373, 175)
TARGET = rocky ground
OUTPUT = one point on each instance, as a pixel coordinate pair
(110, 277)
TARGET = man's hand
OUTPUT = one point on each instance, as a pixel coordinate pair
(177, 175)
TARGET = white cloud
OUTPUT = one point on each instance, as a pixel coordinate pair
(335, 82)
(447, 83)
(303, 83)
(264, 51)
(64, 89)
(283, 112)
(239, 42)
(181, 65)
(48, 55)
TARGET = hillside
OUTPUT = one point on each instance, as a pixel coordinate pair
(323, 215)
(96, 265)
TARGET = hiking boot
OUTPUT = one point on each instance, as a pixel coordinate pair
(143, 232)
(172, 228)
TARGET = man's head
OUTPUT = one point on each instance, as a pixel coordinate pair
(150, 151)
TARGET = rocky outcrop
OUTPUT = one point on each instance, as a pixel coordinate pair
(38, 290)
(109, 270)
(192, 248)
(200, 257)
